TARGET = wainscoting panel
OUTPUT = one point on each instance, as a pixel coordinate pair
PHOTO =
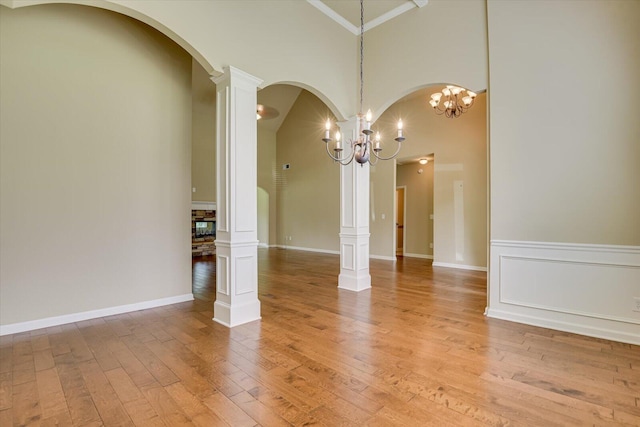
(586, 289)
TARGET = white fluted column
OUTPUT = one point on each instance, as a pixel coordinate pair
(354, 220)
(236, 194)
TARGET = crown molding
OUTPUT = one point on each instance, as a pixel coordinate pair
(355, 30)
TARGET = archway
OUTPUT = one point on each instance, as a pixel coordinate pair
(460, 220)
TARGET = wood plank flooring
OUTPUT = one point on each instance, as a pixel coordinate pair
(415, 350)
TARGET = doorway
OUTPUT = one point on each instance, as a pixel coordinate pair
(400, 219)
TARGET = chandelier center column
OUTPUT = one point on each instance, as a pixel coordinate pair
(354, 220)
(236, 199)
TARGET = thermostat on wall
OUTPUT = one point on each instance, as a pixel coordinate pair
(286, 166)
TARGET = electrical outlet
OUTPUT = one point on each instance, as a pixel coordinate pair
(431, 245)
(636, 305)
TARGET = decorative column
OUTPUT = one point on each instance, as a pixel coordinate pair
(236, 193)
(354, 220)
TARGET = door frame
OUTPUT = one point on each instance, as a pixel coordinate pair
(404, 221)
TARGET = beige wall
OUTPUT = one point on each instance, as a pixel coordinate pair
(203, 140)
(418, 227)
(565, 151)
(460, 150)
(94, 163)
(445, 41)
(267, 227)
(261, 38)
(308, 194)
(402, 55)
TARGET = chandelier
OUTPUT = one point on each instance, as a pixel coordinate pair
(364, 145)
(455, 101)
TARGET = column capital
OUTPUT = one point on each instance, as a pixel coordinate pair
(233, 73)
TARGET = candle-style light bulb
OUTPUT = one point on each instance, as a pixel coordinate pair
(377, 146)
(368, 119)
(338, 136)
(327, 128)
(400, 128)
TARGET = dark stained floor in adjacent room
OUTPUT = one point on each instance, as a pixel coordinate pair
(415, 350)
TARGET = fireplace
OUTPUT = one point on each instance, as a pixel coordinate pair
(206, 229)
(203, 232)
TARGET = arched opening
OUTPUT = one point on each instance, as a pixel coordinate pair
(456, 150)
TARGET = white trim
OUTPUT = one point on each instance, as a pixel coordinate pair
(580, 288)
(383, 257)
(15, 328)
(459, 266)
(566, 246)
(327, 251)
(408, 255)
(318, 4)
(354, 29)
(572, 327)
(263, 245)
(298, 248)
(203, 206)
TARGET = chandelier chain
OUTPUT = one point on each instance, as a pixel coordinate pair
(361, 52)
(361, 147)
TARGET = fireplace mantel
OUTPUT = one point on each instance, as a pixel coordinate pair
(203, 206)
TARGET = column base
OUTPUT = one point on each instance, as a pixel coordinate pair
(354, 284)
(236, 315)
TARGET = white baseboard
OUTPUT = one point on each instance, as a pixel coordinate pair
(460, 266)
(48, 322)
(263, 245)
(580, 288)
(327, 251)
(383, 257)
(575, 328)
(298, 248)
(423, 256)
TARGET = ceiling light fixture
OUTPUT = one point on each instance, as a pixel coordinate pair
(265, 112)
(423, 161)
(455, 101)
(363, 146)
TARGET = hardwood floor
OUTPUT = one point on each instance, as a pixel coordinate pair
(415, 350)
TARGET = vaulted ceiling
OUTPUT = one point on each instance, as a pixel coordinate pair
(376, 12)
(347, 14)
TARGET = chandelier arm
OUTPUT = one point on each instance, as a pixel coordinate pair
(343, 161)
(375, 160)
(390, 157)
